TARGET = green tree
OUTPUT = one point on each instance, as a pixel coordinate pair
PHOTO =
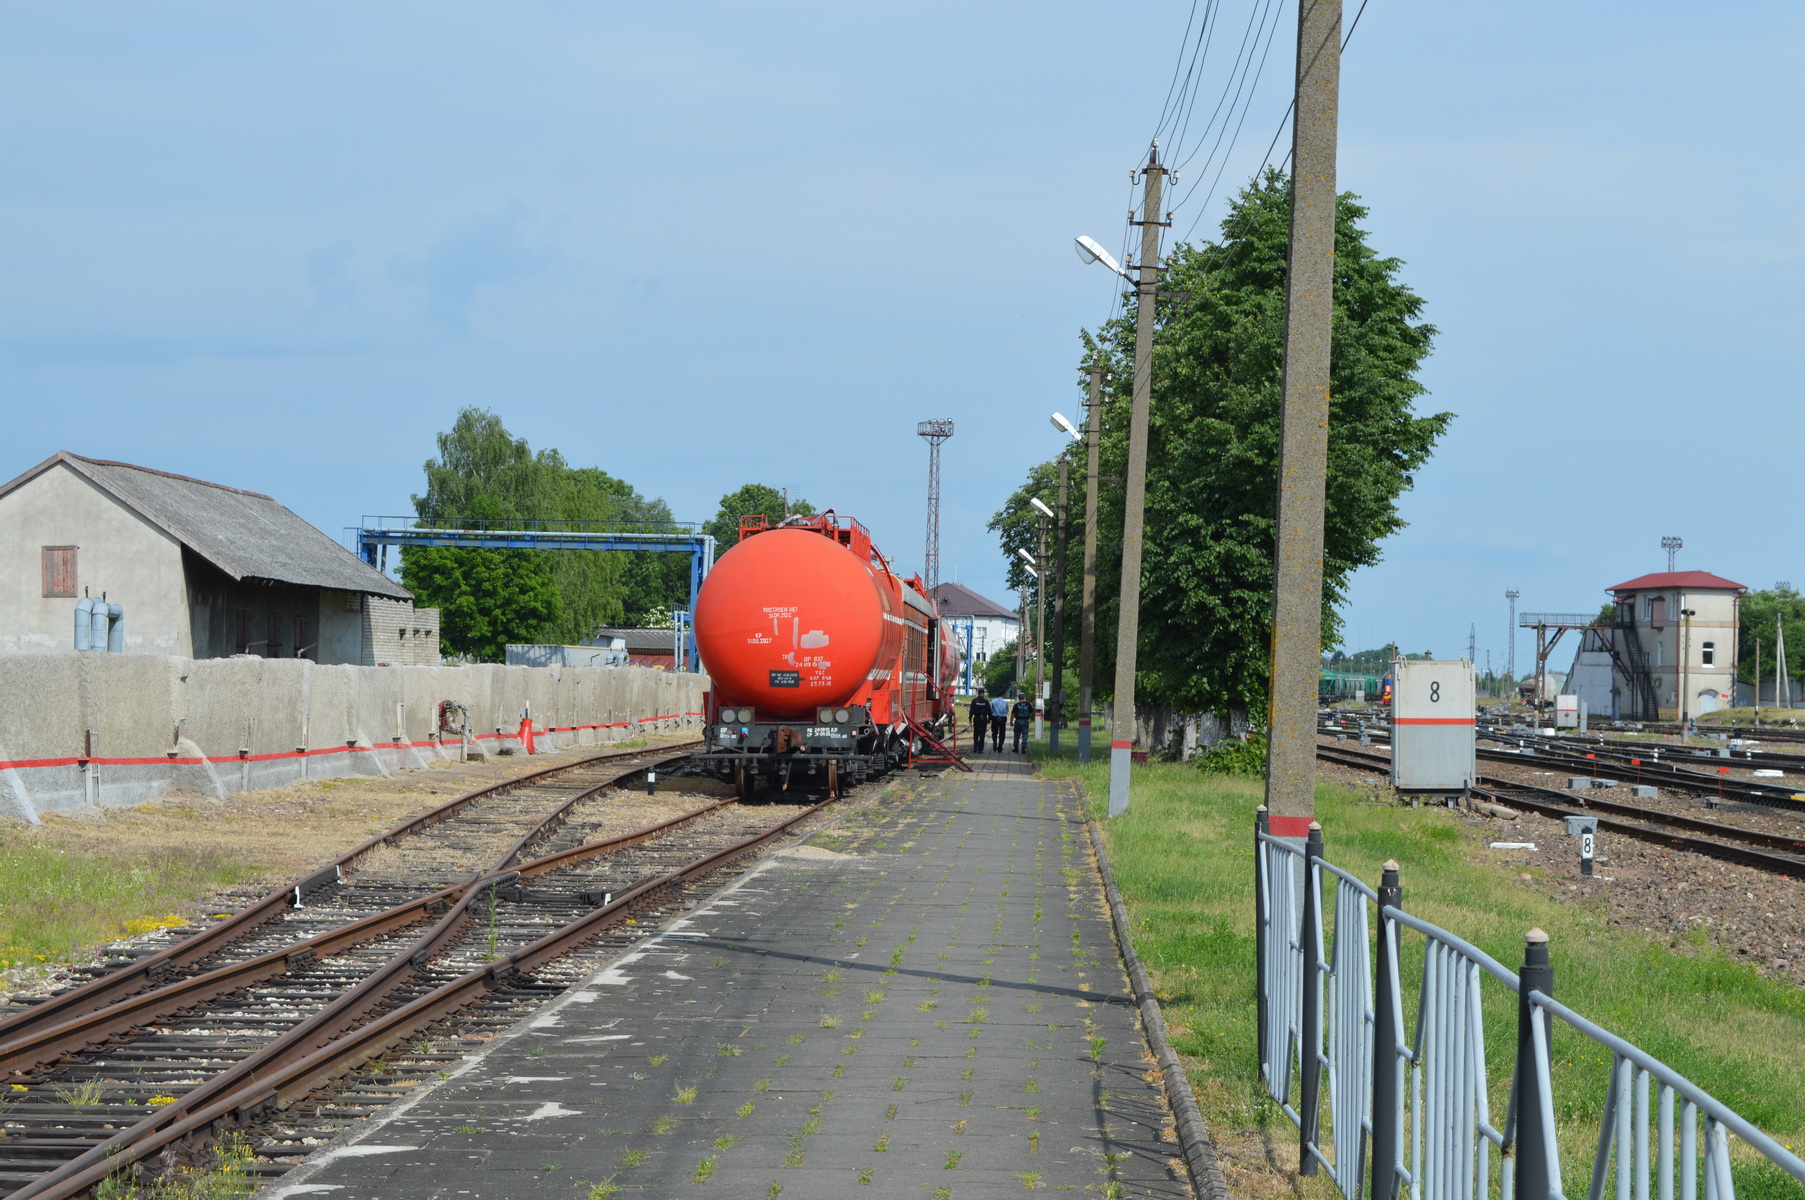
(489, 598)
(999, 670)
(1213, 448)
(749, 499)
(1756, 619)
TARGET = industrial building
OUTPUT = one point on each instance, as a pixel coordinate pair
(196, 570)
(1672, 644)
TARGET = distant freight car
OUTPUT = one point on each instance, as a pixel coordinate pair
(825, 664)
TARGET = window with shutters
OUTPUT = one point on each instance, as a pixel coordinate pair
(302, 646)
(244, 632)
(272, 636)
(59, 570)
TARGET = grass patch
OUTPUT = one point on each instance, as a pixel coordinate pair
(1183, 858)
(57, 902)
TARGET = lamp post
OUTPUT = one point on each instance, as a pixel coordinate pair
(1043, 709)
(1128, 619)
(1021, 672)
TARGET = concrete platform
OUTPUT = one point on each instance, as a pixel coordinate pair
(928, 1001)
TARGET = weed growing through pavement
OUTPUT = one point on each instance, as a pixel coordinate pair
(795, 1039)
(830, 1021)
(745, 1110)
(1034, 1143)
(1097, 1044)
(466, 1128)
(865, 1174)
(781, 1059)
(952, 1159)
(663, 1124)
(657, 1060)
(603, 1190)
(726, 1141)
(632, 1158)
(638, 1075)
(775, 1188)
(685, 1095)
(704, 1169)
(762, 1085)
(727, 1050)
(535, 1052)
(1030, 1180)
(927, 1006)
(902, 1081)
(883, 1144)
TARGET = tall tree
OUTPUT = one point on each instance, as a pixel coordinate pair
(1755, 620)
(750, 499)
(1212, 481)
(489, 598)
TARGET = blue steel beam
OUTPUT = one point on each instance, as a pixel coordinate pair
(699, 546)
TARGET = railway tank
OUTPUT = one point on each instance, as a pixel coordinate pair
(821, 658)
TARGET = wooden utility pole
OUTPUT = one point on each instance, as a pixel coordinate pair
(1056, 709)
(1134, 502)
(1304, 443)
(1087, 616)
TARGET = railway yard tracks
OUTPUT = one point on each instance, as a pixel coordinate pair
(352, 986)
(1777, 853)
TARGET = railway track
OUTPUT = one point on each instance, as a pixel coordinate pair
(161, 1043)
(1731, 843)
(1660, 766)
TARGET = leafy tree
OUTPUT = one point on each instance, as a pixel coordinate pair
(1213, 448)
(1755, 620)
(489, 598)
(999, 670)
(749, 499)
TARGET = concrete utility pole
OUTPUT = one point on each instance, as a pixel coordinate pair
(1040, 626)
(1087, 614)
(1128, 621)
(1304, 441)
(1056, 709)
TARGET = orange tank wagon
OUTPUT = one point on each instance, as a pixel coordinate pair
(825, 664)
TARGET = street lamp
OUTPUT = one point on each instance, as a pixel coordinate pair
(1042, 509)
(1029, 560)
(1066, 427)
(1134, 499)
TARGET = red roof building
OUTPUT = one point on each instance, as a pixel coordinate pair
(1673, 644)
(1669, 580)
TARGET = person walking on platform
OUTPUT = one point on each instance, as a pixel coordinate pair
(980, 721)
(999, 718)
(1024, 713)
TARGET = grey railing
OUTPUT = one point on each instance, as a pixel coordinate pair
(1392, 1097)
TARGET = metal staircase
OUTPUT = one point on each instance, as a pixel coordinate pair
(1632, 664)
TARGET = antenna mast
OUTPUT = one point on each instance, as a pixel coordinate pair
(935, 432)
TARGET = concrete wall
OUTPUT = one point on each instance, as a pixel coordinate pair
(106, 729)
(136, 564)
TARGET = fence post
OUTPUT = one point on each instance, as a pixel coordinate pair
(1261, 825)
(1537, 975)
(1310, 1022)
(1387, 1104)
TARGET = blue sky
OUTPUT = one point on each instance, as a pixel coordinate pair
(278, 246)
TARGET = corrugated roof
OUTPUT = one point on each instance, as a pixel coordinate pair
(957, 600)
(247, 535)
(1677, 579)
(644, 641)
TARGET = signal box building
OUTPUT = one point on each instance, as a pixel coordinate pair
(200, 571)
(1674, 637)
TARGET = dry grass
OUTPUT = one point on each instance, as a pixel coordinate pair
(76, 882)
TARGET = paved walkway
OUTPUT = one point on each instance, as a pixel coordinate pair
(933, 1007)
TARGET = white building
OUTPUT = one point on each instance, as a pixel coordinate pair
(983, 626)
(200, 571)
(1674, 638)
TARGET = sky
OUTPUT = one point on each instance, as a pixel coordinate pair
(279, 246)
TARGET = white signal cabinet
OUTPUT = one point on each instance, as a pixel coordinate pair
(1566, 712)
(1432, 730)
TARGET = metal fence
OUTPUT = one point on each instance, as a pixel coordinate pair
(1394, 1092)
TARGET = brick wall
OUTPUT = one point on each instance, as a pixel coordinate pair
(396, 634)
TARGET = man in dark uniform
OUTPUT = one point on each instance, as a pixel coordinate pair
(1023, 713)
(980, 721)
